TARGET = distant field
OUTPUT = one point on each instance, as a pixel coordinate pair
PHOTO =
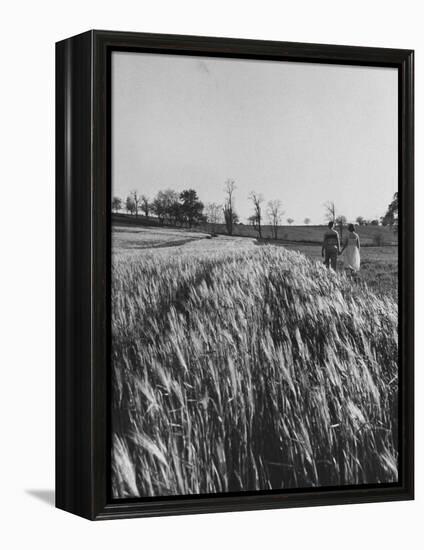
(217, 342)
(369, 235)
(137, 238)
(314, 233)
(167, 241)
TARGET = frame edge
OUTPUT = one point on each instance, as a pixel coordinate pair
(80, 204)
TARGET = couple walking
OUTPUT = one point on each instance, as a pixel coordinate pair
(351, 248)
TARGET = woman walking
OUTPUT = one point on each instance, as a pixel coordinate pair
(351, 249)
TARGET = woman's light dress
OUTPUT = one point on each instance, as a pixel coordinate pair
(352, 257)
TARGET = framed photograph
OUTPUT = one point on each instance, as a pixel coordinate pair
(235, 234)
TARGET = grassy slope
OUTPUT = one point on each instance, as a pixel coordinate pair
(314, 233)
(140, 238)
(297, 233)
(248, 369)
(379, 266)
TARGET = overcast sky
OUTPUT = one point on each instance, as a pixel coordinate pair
(300, 132)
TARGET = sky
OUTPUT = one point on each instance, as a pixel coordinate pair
(302, 133)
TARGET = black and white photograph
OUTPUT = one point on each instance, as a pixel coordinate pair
(208, 288)
(254, 275)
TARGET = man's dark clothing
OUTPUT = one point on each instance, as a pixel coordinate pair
(331, 248)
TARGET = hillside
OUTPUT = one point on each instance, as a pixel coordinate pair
(370, 235)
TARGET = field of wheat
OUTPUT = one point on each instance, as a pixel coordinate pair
(248, 369)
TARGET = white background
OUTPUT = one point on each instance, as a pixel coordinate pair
(28, 32)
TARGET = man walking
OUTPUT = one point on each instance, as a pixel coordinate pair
(331, 246)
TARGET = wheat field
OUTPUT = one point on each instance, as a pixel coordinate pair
(248, 368)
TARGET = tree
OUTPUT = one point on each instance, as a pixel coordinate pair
(166, 206)
(290, 221)
(257, 200)
(145, 205)
(252, 220)
(341, 221)
(136, 200)
(116, 204)
(213, 214)
(307, 221)
(374, 222)
(360, 220)
(175, 213)
(129, 205)
(330, 211)
(236, 219)
(158, 208)
(229, 215)
(391, 217)
(275, 214)
(191, 208)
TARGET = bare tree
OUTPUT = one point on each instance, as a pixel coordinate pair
(213, 214)
(229, 214)
(330, 211)
(307, 221)
(257, 200)
(145, 205)
(275, 214)
(290, 221)
(136, 200)
(341, 221)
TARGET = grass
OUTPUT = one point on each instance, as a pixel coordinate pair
(127, 238)
(247, 368)
(370, 235)
(379, 266)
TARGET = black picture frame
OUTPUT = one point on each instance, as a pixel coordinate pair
(83, 266)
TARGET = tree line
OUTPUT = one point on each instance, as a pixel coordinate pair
(168, 206)
(186, 209)
(390, 218)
